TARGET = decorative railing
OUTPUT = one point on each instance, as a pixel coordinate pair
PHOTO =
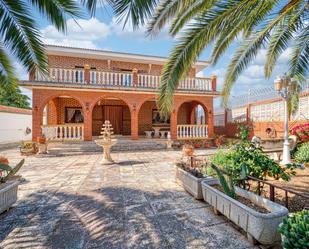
(118, 79)
(111, 79)
(192, 131)
(65, 132)
(62, 75)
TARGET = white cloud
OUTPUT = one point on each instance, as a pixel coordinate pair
(80, 33)
(127, 31)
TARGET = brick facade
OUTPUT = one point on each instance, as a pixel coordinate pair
(137, 106)
(138, 109)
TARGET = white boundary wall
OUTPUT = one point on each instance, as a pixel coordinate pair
(13, 127)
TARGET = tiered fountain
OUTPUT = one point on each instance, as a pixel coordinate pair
(106, 140)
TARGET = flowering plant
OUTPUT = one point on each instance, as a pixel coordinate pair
(301, 131)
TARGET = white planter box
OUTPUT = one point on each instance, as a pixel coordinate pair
(261, 227)
(190, 183)
(8, 195)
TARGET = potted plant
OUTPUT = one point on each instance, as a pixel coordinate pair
(294, 230)
(207, 144)
(190, 178)
(28, 148)
(198, 144)
(219, 140)
(187, 149)
(8, 183)
(41, 140)
(42, 145)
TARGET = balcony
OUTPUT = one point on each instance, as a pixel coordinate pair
(117, 80)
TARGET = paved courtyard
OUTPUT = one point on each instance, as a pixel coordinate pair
(74, 202)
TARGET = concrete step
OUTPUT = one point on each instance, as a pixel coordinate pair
(85, 147)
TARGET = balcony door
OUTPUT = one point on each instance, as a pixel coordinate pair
(114, 115)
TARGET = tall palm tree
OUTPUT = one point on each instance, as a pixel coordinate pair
(271, 24)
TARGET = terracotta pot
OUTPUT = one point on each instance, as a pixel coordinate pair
(4, 160)
(188, 151)
(41, 140)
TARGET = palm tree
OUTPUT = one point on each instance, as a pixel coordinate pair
(271, 24)
(21, 38)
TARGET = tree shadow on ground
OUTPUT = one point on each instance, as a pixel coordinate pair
(116, 217)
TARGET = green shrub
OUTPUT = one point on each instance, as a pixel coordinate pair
(245, 158)
(295, 231)
(302, 154)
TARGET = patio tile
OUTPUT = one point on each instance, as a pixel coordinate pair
(77, 202)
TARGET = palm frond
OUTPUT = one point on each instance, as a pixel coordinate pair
(242, 57)
(6, 68)
(56, 10)
(21, 36)
(164, 12)
(282, 35)
(299, 63)
(188, 12)
(135, 11)
(92, 5)
(191, 43)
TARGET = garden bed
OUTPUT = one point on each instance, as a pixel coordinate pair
(244, 201)
(261, 227)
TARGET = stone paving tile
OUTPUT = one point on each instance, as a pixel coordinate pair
(75, 202)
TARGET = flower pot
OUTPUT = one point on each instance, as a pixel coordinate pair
(8, 194)
(41, 140)
(261, 227)
(190, 183)
(188, 150)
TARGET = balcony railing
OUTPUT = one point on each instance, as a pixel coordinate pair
(67, 132)
(119, 79)
(192, 131)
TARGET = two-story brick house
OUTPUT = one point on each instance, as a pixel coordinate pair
(86, 87)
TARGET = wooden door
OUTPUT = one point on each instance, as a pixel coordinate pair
(114, 115)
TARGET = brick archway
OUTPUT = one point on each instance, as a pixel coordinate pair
(117, 110)
(206, 104)
(40, 100)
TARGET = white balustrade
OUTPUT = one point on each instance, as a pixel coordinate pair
(148, 81)
(111, 79)
(192, 131)
(62, 75)
(119, 79)
(63, 132)
(197, 84)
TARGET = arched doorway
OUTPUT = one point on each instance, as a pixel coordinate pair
(150, 119)
(116, 111)
(192, 120)
(63, 119)
(192, 112)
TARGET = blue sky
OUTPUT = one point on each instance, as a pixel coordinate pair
(104, 32)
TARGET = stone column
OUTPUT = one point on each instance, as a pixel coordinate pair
(173, 124)
(134, 77)
(211, 129)
(37, 117)
(87, 73)
(87, 122)
(134, 123)
(214, 83)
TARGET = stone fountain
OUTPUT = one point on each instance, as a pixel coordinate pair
(106, 141)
